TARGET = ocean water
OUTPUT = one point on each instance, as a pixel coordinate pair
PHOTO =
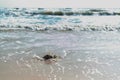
(88, 40)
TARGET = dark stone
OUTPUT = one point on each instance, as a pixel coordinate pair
(47, 57)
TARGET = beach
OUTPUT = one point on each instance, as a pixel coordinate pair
(88, 45)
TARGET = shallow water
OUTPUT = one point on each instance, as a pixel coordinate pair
(87, 55)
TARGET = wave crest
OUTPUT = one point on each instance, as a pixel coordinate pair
(61, 28)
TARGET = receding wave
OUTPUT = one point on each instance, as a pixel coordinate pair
(63, 28)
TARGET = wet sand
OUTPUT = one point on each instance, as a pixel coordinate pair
(93, 57)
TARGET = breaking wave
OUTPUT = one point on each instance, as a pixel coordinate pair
(59, 19)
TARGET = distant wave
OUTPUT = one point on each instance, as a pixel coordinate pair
(59, 11)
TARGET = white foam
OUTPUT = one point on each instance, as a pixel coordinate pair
(79, 60)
